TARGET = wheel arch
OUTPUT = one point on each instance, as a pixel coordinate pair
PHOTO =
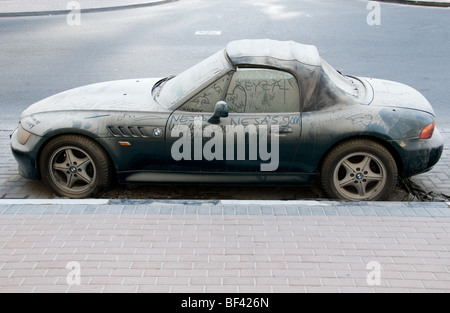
(394, 153)
(70, 132)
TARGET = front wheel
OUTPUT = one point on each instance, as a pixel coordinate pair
(359, 170)
(75, 167)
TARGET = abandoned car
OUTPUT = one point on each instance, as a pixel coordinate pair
(256, 112)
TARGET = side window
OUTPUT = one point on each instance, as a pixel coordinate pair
(263, 91)
(205, 101)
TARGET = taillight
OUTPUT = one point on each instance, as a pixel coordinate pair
(427, 132)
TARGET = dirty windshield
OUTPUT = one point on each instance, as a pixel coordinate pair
(181, 86)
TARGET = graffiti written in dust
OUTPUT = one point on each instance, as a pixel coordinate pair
(250, 91)
(250, 95)
(262, 85)
(270, 93)
(217, 88)
(206, 100)
(365, 119)
(281, 120)
(31, 122)
(200, 102)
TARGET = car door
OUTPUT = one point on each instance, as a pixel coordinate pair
(266, 101)
(260, 133)
(187, 136)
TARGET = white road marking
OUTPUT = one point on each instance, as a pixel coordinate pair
(208, 33)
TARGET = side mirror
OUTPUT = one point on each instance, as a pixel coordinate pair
(221, 110)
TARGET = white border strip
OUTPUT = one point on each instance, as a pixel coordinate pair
(54, 201)
(275, 202)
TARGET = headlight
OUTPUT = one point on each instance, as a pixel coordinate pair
(23, 135)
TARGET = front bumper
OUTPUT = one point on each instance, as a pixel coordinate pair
(26, 155)
(420, 155)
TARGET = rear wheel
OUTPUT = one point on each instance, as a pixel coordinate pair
(75, 167)
(359, 170)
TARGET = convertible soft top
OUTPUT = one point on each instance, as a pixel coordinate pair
(316, 90)
(271, 52)
(303, 61)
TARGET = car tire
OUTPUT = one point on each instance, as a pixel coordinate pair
(75, 167)
(359, 170)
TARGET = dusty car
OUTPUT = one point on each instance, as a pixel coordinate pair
(256, 112)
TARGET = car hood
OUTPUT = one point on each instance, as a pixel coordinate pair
(122, 95)
(397, 95)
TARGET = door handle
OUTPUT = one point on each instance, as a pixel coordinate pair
(286, 130)
(283, 131)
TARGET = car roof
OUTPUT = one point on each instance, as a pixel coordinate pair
(271, 52)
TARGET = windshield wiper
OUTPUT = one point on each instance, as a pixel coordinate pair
(160, 83)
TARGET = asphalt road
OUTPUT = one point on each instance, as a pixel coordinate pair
(40, 56)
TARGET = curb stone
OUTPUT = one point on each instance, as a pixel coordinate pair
(442, 4)
(86, 10)
(224, 208)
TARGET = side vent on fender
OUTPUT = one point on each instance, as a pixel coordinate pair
(129, 131)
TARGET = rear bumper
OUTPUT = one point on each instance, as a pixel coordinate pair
(26, 155)
(420, 155)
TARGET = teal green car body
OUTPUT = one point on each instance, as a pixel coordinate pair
(132, 121)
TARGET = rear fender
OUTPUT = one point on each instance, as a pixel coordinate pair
(322, 130)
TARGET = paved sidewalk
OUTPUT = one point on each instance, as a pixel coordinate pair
(225, 247)
(51, 7)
